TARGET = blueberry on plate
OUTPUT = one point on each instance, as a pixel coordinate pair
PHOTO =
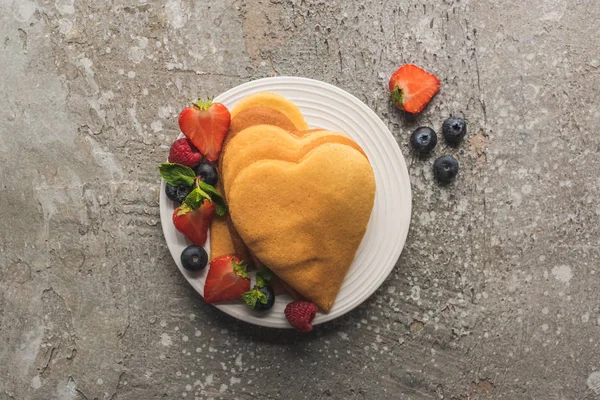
(207, 173)
(177, 193)
(194, 258)
(454, 130)
(423, 139)
(445, 168)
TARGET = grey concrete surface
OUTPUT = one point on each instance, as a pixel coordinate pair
(496, 295)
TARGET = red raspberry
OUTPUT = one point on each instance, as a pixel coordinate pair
(182, 152)
(300, 314)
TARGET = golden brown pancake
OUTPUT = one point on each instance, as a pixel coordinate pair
(220, 239)
(269, 142)
(259, 116)
(305, 220)
(273, 101)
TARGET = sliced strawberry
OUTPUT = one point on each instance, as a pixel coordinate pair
(194, 223)
(412, 88)
(227, 279)
(206, 124)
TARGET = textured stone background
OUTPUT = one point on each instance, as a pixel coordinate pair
(496, 293)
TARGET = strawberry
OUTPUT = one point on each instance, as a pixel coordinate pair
(182, 152)
(206, 123)
(412, 88)
(194, 222)
(227, 279)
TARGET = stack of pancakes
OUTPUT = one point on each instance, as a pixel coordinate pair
(299, 199)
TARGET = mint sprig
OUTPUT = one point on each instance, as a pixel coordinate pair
(196, 198)
(263, 277)
(215, 196)
(177, 174)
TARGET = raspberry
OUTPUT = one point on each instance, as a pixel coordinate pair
(300, 314)
(182, 152)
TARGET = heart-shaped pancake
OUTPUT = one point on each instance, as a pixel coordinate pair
(270, 142)
(275, 102)
(306, 220)
(259, 116)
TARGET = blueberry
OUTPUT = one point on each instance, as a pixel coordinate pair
(454, 130)
(423, 139)
(270, 299)
(194, 258)
(207, 173)
(177, 193)
(445, 168)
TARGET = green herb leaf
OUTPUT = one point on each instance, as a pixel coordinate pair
(196, 198)
(254, 296)
(177, 174)
(263, 277)
(221, 207)
(240, 268)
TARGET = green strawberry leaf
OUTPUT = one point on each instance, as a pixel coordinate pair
(240, 268)
(397, 96)
(220, 206)
(177, 174)
(263, 277)
(195, 199)
(254, 296)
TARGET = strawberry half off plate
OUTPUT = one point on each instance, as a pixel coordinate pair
(206, 124)
(412, 88)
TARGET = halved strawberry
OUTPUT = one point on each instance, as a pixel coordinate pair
(227, 279)
(194, 222)
(206, 124)
(412, 88)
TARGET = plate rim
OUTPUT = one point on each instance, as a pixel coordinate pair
(383, 131)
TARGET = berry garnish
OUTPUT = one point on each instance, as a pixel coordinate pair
(206, 124)
(194, 258)
(454, 130)
(182, 152)
(300, 314)
(177, 193)
(445, 168)
(227, 279)
(194, 222)
(207, 173)
(423, 139)
(412, 88)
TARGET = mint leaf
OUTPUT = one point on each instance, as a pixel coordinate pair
(265, 273)
(221, 207)
(177, 174)
(196, 198)
(263, 277)
(254, 296)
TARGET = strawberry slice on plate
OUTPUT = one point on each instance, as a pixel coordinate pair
(194, 222)
(412, 88)
(227, 279)
(206, 124)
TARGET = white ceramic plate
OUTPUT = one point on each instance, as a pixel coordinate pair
(326, 106)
